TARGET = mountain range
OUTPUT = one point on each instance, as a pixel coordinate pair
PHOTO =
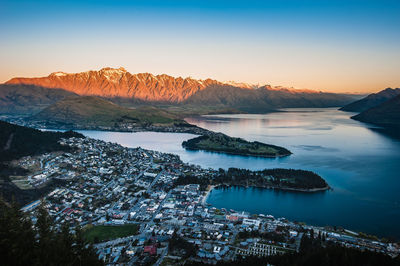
(122, 87)
(112, 83)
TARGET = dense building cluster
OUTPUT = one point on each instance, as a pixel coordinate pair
(106, 187)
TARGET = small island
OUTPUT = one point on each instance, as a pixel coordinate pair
(222, 143)
(278, 178)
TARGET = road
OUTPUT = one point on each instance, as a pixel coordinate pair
(163, 254)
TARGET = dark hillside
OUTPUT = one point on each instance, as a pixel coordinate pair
(17, 141)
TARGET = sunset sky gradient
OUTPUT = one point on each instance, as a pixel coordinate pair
(338, 46)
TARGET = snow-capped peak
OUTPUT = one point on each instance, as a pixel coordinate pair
(111, 70)
(242, 84)
(58, 74)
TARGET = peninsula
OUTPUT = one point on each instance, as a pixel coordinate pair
(222, 143)
(278, 178)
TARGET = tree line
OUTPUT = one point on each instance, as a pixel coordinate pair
(291, 178)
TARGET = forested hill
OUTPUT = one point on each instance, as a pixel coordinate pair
(18, 141)
(222, 143)
(278, 178)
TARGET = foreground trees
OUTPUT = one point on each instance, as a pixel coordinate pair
(25, 243)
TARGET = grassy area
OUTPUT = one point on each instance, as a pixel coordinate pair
(94, 111)
(187, 110)
(99, 233)
(21, 183)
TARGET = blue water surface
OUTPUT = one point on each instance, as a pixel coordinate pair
(359, 163)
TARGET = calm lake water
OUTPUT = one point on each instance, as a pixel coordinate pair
(361, 165)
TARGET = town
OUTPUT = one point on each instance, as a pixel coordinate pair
(132, 208)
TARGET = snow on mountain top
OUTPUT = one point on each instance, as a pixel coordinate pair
(58, 74)
(111, 70)
(242, 84)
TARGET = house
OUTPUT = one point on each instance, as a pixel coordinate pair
(151, 250)
(251, 222)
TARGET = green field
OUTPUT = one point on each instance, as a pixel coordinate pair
(100, 233)
(94, 111)
(21, 183)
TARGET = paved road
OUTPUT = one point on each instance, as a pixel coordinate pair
(163, 254)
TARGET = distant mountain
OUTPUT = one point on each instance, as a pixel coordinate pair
(386, 114)
(123, 87)
(264, 99)
(86, 111)
(372, 100)
(28, 99)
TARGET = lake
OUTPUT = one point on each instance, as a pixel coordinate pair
(359, 163)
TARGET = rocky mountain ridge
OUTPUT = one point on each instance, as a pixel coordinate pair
(181, 95)
(117, 82)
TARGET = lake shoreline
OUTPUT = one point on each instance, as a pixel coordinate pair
(321, 143)
(175, 128)
(208, 191)
(240, 154)
(310, 190)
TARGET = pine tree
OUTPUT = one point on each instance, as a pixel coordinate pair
(44, 230)
(21, 243)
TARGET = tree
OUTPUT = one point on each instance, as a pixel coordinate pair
(22, 243)
(16, 235)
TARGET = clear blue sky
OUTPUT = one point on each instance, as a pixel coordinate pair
(324, 45)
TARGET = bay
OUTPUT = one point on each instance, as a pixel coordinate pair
(359, 163)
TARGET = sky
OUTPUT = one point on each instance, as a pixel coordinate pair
(335, 46)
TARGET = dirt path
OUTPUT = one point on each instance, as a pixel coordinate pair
(8, 143)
